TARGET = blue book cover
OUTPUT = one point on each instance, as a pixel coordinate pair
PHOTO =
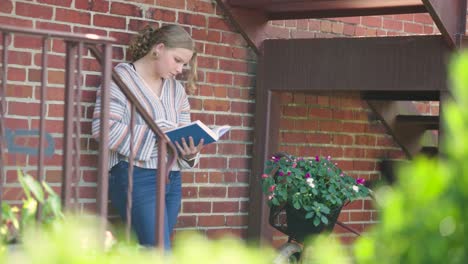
(197, 130)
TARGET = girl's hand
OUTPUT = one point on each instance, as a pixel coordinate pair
(189, 151)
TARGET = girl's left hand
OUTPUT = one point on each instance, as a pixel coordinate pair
(189, 151)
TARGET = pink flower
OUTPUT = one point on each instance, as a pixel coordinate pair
(289, 173)
(294, 165)
(272, 188)
(361, 181)
(317, 158)
(264, 175)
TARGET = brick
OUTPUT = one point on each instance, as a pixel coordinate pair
(93, 5)
(72, 16)
(216, 177)
(423, 19)
(325, 26)
(392, 24)
(214, 163)
(201, 6)
(23, 109)
(19, 91)
(342, 139)
(216, 105)
(89, 176)
(219, 23)
(16, 74)
(192, 19)
(243, 81)
(236, 66)
(225, 207)
(196, 207)
(337, 28)
(53, 61)
(161, 14)
(186, 221)
(212, 192)
(218, 50)
(236, 220)
(301, 34)
(64, 3)
(219, 78)
(372, 21)
(207, 35)
(349, 30)
(19, 57)
(236, 192)
(125, 9)
(58, 45)
(88, 192)
(211, 221)
(290, 23)
(52, 26)
(109, 21)
(413, 28)
(314, 24)
(90, 30)
(12, 21)
(241, 135)
(27, 42)
(6, 6)
(238, 163)
(322, 113)
(189, 192)
(32, 10)
(177, 4)
(231, 148)
(201, 177)
(302, 24)
(280, 23)
(295, 111)
(404, 17)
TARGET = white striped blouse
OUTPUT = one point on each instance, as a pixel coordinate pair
(171, 107)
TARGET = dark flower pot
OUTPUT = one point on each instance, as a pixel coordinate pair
(298, 227)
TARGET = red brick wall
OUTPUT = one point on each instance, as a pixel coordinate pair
(215, 194)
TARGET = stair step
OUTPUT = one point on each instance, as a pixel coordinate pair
(401, 95)
(429, 122)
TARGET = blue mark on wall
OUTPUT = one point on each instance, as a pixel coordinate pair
(14, 148)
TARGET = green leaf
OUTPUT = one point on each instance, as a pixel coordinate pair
(325, 209)
(324, 219)
(316, 221)
(309, 215)
(30, 185)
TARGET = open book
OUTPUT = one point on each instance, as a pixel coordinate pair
(197, 130)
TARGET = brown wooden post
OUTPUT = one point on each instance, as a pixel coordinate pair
(103, 166)
(71, 49)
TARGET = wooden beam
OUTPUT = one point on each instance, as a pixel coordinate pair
(284, 9)
(360, 64)
(341, 8)
(252, 24)
(450, 18)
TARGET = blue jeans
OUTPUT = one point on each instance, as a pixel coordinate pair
(144, 201)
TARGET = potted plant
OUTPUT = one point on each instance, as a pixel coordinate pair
(312, 191)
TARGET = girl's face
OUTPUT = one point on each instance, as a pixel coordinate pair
(170, 61)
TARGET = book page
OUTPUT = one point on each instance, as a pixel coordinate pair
(221, 130)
